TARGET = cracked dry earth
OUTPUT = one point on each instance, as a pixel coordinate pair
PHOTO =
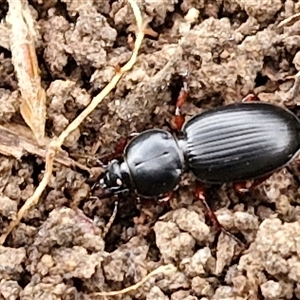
(232, 48)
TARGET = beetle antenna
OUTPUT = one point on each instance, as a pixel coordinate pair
(111, 219)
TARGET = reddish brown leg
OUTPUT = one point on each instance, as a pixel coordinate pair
(250, 98)
(245, 186)
(200, 195)
(179, 118)
(118, 151)
(165, 198)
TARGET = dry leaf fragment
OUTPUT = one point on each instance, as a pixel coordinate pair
(17, 140)
(22, 44)
(55, 144)
(4, 33)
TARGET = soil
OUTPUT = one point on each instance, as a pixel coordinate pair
(231, 48)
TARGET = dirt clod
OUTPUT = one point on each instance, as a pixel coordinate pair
(58, 251)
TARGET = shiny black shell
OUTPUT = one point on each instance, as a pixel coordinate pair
(155, 163)
(240, 142)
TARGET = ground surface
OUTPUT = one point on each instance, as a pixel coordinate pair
(233, 47)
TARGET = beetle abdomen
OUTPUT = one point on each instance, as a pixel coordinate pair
(155, 162)
(240, 141)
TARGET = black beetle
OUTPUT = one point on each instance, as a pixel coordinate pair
(233, 143)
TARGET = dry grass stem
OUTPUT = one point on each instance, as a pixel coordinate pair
(56, 143)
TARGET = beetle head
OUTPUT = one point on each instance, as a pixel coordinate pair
(113, 178)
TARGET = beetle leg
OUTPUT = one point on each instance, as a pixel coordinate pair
(117, 152)
(166, 197)
(179, 118)
(250, 98)
(245, 186)
(200, 195)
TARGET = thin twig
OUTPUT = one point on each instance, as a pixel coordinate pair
(56, 143)
(162, 269)
(18, 140)
(288, 21)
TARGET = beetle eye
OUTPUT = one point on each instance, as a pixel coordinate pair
(119, 182)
